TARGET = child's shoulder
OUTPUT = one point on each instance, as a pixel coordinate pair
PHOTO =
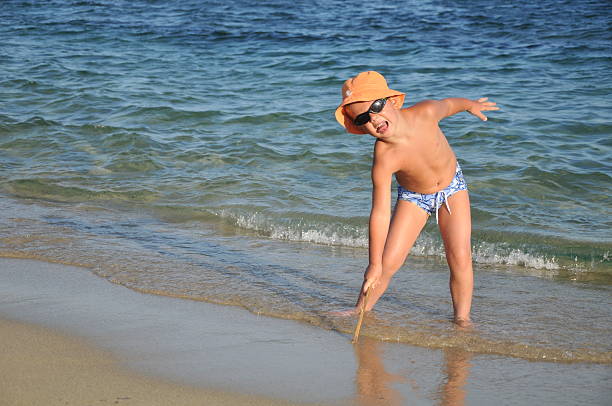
(383, 159)
(384, 153)
(424, 109)
(421, 113)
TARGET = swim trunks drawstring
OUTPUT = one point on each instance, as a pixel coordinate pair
(439, 202)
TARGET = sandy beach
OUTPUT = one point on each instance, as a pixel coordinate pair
(43, 367)
(70, 337)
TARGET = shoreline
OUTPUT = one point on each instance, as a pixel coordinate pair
(194, 351)
(194, 344)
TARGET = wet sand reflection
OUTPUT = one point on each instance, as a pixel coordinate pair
(376, 386)
(455, 373)
(372, 380)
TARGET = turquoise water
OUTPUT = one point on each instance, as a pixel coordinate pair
(189, 149)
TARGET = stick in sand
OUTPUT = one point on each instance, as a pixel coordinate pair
(361, 313)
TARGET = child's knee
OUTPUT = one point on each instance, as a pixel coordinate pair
(461, 258)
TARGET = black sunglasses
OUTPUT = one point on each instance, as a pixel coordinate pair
(376, 107)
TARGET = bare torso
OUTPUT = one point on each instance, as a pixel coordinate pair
(422, 159)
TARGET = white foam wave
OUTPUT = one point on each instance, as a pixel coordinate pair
(321, 232)
(301, 230)
(487, 253)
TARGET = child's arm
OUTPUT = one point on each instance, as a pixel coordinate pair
(440, 109)
(380, 217)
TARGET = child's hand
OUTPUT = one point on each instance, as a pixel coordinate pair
(371, 277)
(480, 105)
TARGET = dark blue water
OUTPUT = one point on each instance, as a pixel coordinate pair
(189, 148)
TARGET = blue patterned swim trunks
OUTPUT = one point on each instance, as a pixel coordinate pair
(432, 202)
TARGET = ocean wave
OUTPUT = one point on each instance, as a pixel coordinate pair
(45, 189)
(490, 253)
(327, 233)
(513, 251)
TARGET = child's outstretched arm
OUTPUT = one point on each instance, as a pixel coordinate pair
(380, 217)
(440, 109)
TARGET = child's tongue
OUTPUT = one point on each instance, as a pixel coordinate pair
(382, 127)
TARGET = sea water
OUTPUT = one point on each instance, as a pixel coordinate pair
(189, 149)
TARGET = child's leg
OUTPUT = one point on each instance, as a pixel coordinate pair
(456, 231)
(407, 222)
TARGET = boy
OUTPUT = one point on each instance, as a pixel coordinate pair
(410, 145)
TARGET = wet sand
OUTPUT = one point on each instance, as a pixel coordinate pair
(43, 367)
(70, 337)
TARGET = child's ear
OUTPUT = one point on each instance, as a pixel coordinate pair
(395, 102)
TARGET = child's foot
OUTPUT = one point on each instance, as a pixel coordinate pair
(463, 323)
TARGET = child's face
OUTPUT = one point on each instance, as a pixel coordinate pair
(381, 124)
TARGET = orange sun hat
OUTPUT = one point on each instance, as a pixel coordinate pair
(366, 86)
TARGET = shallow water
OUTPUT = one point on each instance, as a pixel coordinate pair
(223, 347)
(189, 149)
